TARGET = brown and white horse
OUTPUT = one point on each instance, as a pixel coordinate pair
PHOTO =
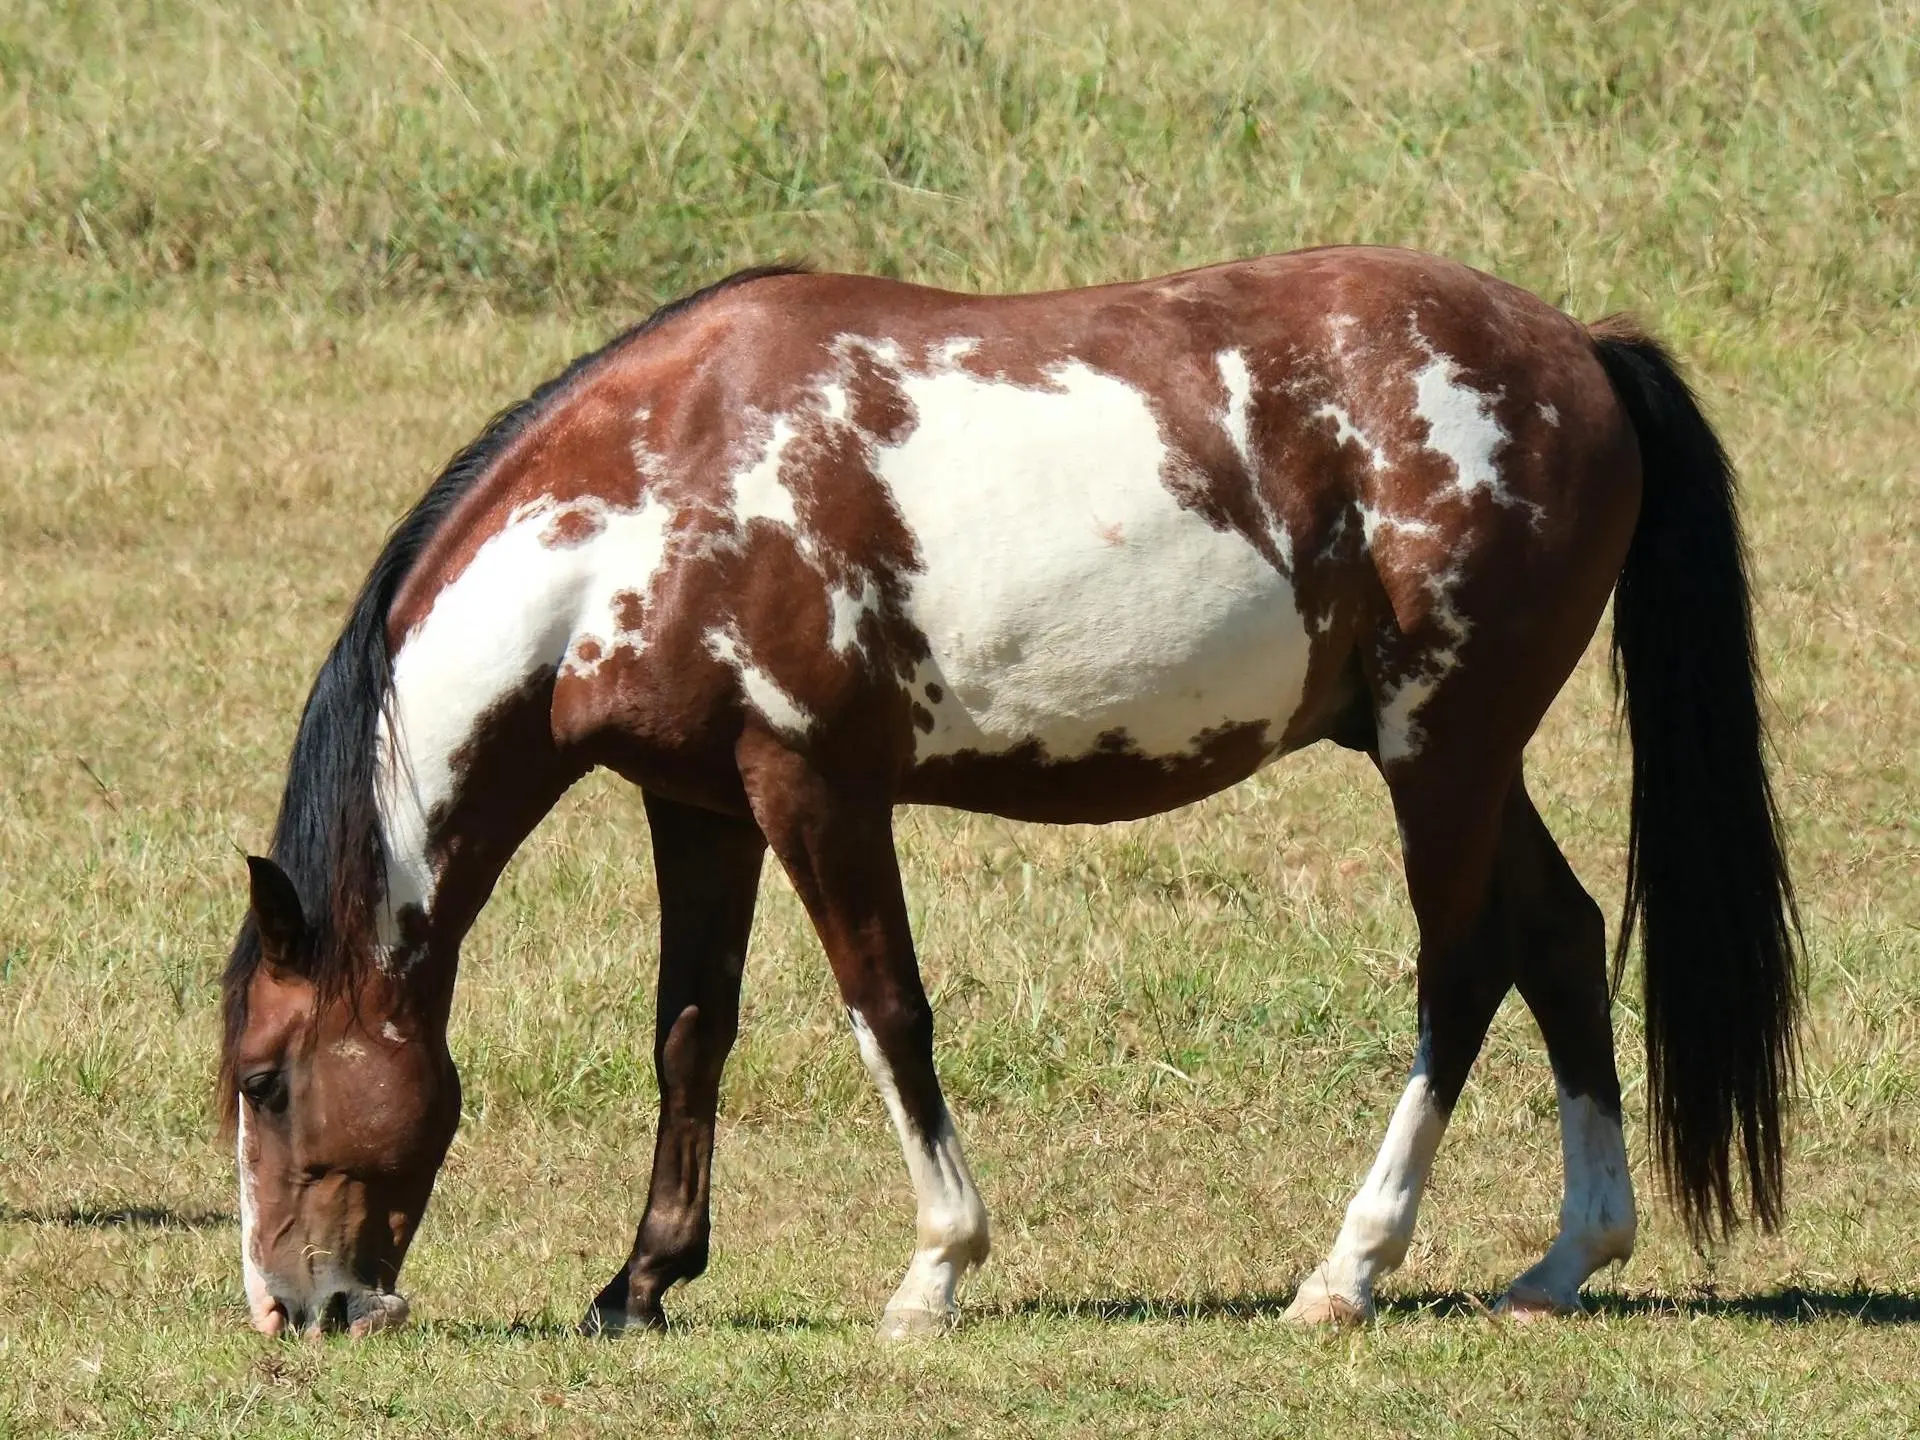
(802, 548)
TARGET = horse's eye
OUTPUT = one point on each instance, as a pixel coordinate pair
(266, 1090)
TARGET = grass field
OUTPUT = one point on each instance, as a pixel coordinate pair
(262, 268)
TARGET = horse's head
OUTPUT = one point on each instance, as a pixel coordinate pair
(345, 1102)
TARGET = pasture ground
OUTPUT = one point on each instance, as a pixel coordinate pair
(261, 271)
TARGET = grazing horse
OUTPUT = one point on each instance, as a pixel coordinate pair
(802, 548)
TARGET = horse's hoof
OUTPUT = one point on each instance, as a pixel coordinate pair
(1524, 1304)
(607, 1321)
(916, 1324)
(1325, 1309)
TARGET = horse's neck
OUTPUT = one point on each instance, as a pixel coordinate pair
(467, 760)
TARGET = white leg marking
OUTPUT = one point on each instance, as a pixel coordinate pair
(259, 1298)
(950, 1223)
(1597, 1222)
(1379, 1224)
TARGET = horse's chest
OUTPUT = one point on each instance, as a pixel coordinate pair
(1065, 594)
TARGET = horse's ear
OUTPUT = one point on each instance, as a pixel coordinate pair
(276, 910)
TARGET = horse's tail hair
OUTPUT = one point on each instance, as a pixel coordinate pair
(1707, 881)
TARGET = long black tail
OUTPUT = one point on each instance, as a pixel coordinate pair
(1707, 878)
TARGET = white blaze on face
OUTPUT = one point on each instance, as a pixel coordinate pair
(1065, 593)
(259, 1298)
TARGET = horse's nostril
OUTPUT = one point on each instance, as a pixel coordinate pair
(333, 1314)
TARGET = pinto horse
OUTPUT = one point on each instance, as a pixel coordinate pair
(802, 548)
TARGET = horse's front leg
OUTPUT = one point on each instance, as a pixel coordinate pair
(708, 867)
(838, 850)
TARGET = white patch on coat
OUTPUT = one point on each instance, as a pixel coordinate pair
(1237, 421)
(1446, 614)
(1400, 735)
(1549, 414)
(392, 1032)
(259, 1297)
(762, 692)
(758, 492)
(1042, 627)
(1597, 1221)
(833, 399)
(846, 610)
(950, 1222)
(1379, 1222)
(520, 607)
(648, 464)
(882, 351)
(1238, 418)
(348, 1048)
(1345, 432)
(1460, 424)
(1373, 521)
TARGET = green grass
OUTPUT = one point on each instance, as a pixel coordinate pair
(260, 271)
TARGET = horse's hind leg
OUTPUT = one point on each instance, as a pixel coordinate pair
(1450, 820)
(1560, 965)
(838, 851)
(708, 868)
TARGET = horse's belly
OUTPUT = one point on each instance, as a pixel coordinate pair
(1067, 598)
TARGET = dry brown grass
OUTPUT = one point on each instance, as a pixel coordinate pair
(197, 460)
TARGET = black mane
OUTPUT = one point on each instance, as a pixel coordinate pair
(327, 837)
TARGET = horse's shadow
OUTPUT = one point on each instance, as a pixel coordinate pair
(1791, 1305)
(119, 1217)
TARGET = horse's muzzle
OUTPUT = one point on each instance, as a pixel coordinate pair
(356, 1310)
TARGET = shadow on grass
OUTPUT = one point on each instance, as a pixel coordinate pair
(123, 1217)
(1790, 1306)
(547, 1327)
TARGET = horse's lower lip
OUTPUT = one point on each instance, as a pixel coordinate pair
(376, 1310)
